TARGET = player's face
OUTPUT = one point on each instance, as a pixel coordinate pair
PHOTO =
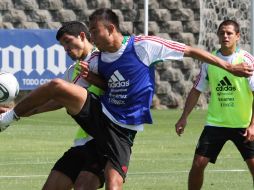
(100, 35)
(228, 37)
(72, 45)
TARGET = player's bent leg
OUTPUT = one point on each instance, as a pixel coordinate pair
(196, 174)
(250, 163)
(57, 181)
(113, 180)
(87, 181)
(71, 96)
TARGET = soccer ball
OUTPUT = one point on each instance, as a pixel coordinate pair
(9, 87)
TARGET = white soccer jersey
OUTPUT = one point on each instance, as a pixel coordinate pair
(149, 49)
(68, 76)
(201, 84)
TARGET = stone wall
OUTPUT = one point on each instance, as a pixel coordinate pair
(171, 19)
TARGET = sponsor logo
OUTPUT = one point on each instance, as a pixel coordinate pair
(118, 81)
(33, 59)
(225, 85)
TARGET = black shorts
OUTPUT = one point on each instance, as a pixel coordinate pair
(112, 141)
(213, 139)
(73, 161)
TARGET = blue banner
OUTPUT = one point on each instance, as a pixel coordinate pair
(33, 56)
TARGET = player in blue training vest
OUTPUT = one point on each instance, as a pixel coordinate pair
(130, 107)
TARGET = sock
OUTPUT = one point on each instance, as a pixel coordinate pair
(7, 118)
(16, 117)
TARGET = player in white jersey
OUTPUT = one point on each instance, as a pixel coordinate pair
(230, 108)
(67, 171)
(114, 119)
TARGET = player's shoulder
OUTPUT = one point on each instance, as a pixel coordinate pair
(204, 65)
(147, 39)
(156, 41)
(70, 68)
(93, 61)
(246, 53)
(94, 56)
(95, 53)
(69, 72)
(148, 42)
(247, 56)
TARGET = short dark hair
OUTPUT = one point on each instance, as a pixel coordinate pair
(106, 15)
(73, 28)
(230, 22)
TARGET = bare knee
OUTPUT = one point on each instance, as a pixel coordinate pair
(87, 180)
(57, 181)
(114, 181)
(57, 88)
(199, 163)
(56, 85)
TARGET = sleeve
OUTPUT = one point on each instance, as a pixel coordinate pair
(201, 83)
(93, 63)
(68, 76)
(248, 58)
(152, 49)
(68, 73)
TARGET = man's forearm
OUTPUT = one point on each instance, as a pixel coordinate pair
(242, 70)
(96, 80)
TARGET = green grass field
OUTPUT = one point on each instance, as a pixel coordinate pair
(160, 160)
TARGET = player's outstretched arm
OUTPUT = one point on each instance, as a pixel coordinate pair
(241, 70)
(190, 103)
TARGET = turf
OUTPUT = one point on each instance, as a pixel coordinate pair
(160, 158)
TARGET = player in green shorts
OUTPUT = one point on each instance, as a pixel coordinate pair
(230, 109)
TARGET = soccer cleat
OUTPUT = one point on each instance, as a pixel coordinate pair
(6, 119)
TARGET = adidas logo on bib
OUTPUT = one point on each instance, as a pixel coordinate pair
(225, 85)
(117, 80)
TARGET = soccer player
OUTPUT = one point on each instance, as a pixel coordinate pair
(126, 63)
(67, 171)
(230, 109)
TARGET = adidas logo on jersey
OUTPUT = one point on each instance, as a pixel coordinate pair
(225, 85)
(117, 81)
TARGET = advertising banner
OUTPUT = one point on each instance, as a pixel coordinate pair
(33, 56)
